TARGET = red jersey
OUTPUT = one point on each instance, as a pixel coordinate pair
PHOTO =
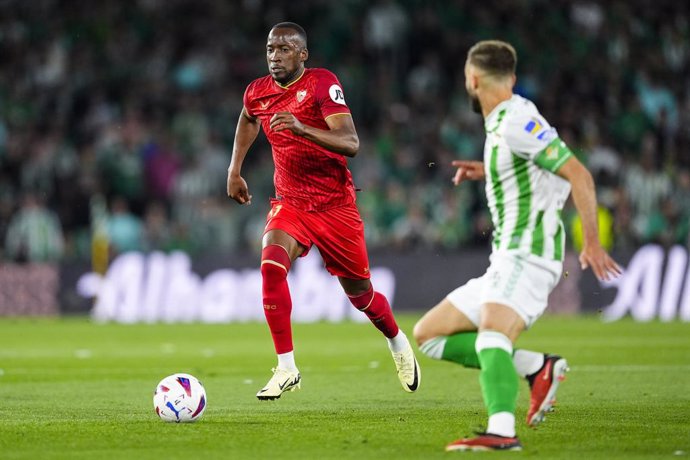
(307, 176)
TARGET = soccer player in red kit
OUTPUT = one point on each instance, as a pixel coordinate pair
(303, 114)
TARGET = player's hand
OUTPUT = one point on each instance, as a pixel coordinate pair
(603, 266)
(238, 190)
(285, 120)
(468, 170)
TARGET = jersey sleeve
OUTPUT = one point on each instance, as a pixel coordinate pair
(531, 137)
(329, 95)
(247, 100)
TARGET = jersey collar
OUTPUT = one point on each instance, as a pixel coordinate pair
(292, 82)
(496, 116)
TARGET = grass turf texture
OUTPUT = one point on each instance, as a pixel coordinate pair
(76, 390)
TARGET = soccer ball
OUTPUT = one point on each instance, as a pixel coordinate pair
(180, 398)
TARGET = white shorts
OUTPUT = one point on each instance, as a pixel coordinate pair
(522, 283)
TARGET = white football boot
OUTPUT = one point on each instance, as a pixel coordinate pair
(408, 369)
(281, 382)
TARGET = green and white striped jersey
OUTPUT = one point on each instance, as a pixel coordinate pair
(521, 156)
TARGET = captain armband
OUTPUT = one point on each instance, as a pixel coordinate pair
(554, 155)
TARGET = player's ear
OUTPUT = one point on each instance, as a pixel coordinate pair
(474, 81)
(303, 55)
(471, 76)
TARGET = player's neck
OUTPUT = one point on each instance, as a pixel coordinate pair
(490, 100)
(292, 78)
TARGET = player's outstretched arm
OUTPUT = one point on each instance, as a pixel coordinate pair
(584, 196)
(340, 137)
(468, 170)
(245, 134)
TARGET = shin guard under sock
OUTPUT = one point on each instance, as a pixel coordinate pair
(275, 264)
(498, 378)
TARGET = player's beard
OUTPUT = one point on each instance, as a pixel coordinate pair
(475, 104)
(289, 78)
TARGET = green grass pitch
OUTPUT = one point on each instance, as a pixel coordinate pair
(76, 390)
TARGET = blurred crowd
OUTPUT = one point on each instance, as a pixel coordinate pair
(117, 118)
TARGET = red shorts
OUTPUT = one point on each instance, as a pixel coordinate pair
(338, 234)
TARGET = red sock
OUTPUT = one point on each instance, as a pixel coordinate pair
(275, 264)
(376, 307)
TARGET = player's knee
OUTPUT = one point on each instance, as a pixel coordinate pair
(275, 264)
(355, 288)
(428, 341)
(429, 327)
(422, 333)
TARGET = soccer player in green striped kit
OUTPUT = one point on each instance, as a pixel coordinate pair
(529, 173)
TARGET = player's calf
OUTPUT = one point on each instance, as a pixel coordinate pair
(275, 264)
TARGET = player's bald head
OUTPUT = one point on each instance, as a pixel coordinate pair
(293, 29)
(494, 58)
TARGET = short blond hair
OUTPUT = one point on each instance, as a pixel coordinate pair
(495, 57)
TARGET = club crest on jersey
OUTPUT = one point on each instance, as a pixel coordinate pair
(554, 152)
(301, 95)
(551, 153)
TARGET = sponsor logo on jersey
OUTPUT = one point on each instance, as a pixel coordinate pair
(301, 95)
(533, 126)
(547, 135)
(263, 105)
(336, 94)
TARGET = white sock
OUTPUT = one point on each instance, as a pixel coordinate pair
(493, 339)
(433, 348)
(286, 361)
(502, 424)
(527, 362)
(399, 342)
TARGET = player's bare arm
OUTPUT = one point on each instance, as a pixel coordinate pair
(245, 134)
(341, 137)
(584, 196)
(468, 170)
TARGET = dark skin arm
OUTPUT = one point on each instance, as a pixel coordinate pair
(340, 137)
(245, 134)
